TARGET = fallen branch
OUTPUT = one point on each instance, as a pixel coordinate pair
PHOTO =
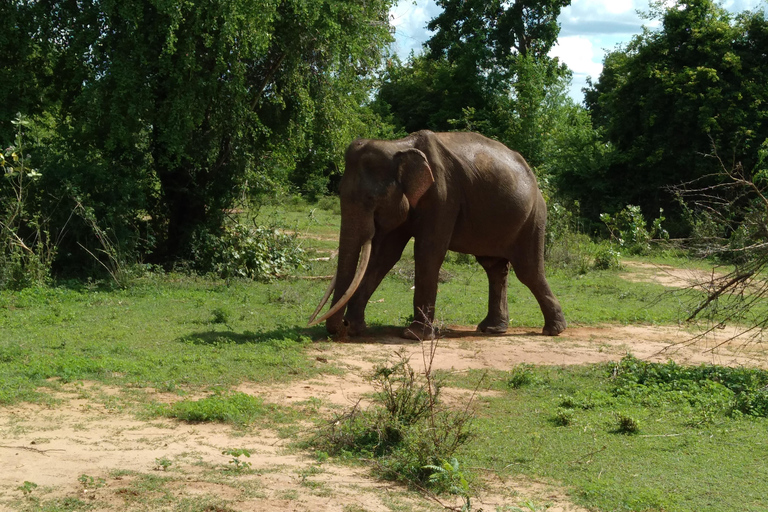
(43, 452)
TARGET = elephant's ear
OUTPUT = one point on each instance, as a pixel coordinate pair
(414, 174)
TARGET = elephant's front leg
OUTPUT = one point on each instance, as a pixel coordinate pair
(497, 270)
(429, 255)
(385, 252)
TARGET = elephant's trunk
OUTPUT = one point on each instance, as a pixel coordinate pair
(359, 273)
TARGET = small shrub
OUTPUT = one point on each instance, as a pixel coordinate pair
(163, 463)
(707, 388)
(219, 316)
(26, 488)
(447, 477)
(521, 375)
(89, 482)
(26, 248)
(570, 252)
(330, 204)
(237, 408)
(407, 430)
(753, 403)
(236, 464)
(461, 258)
(627, 425)
(628, 228)
(258, 252)
(563, 418)
(607, 258)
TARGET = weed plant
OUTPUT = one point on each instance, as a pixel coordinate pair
(407, 432)
(224, 407)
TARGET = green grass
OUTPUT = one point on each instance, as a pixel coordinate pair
(165, 333)
(685, 450)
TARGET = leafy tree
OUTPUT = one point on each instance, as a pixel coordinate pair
(171, 110)
(489, 33)
(485, 69)
(667, 98)
(25, 63)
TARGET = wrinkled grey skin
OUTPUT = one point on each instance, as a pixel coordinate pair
(484, 201)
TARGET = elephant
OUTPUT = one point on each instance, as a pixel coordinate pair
(457, 191)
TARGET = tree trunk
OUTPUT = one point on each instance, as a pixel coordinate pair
(186, 212)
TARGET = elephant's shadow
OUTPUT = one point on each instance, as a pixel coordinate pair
(381, 335)
(213, 337)
(392, 335)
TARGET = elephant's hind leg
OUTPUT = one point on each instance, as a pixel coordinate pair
(528, 264)
(497, 270)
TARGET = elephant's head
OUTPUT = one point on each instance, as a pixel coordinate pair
(381, 183)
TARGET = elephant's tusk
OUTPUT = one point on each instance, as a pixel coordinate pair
(325, 298)
(359, 273)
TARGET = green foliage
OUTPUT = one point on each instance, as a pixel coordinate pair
(740, 390)
(160, 129)
(235, 408)
(485, 69)
(237, 465)
(565, 247)
(26, 248)
(521, 375)
(571, 427)
(628, 228)
(163, 463)
(563, 418)
(27, 487)
(627, 425)
(668, 98)
(408, 430)
(405, 400)
(241, 251)
(607, 258)
(447, 477)
(89, 482)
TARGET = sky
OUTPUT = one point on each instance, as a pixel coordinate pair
(589, 29)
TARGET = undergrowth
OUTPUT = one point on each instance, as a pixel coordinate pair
(409, 432)
(629, 435)
(222, 407)
(726, 390)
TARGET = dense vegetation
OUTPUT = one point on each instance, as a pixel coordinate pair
(140, 130)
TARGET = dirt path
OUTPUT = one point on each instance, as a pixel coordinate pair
(89, 450)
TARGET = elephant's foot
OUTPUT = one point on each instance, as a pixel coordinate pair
(334, 325)
(419, 331)
(355, 327)
(492, 327)
(554, 328)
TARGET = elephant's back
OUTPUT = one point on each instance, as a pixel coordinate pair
(499, 194)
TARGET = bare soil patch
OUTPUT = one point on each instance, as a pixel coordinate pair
(53, 446)
(668, 275)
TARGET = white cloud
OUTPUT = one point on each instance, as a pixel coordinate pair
(410, 20)
(579, 53)
(614, 6)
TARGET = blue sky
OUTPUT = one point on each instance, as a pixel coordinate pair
(589, 29)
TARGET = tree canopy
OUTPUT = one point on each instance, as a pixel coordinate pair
(670, 97)
(170, 110)
(486, 68)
